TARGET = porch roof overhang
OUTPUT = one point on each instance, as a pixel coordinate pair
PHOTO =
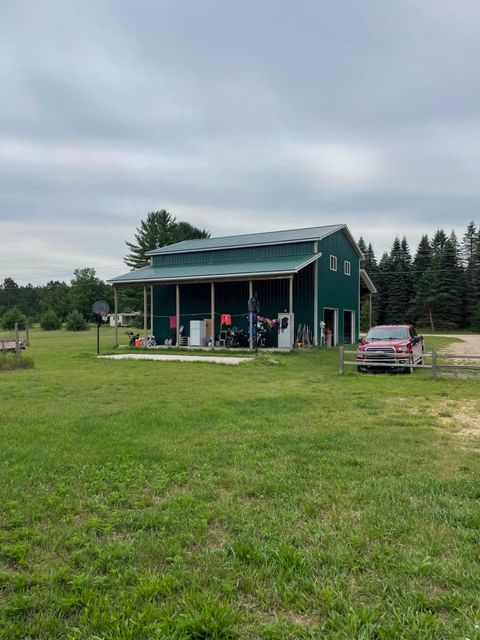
(366, 284)
(264, 268)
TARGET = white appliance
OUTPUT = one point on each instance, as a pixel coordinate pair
(198, 333)
(285, 335)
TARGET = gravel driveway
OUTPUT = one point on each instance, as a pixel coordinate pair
(469, 347)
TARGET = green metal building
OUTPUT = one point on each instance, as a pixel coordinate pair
(313, 273)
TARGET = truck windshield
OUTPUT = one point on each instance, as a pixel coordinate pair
(388, 333)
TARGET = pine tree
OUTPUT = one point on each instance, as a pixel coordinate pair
(450, 278)
(400, 283)
(159, 229)
(471, 261)
(438, 241)
(383, 288)
(369, 263)
(438, 297)
(469, 243)
(474, 280)
(362, 246)
(423, 258)
(427, 299)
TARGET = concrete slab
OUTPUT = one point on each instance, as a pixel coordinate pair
(177, 358)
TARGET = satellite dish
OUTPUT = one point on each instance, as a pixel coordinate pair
(101, 308)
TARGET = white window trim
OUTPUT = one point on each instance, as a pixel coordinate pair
(347, 268)
(333, 263)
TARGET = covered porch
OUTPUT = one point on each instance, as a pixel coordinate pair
(175, 295)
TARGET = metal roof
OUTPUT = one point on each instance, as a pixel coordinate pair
(253, 239)
(226, 270)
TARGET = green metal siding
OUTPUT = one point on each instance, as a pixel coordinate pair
(335, 289)
(232, 298)
(234, 255)
(163, 308)
(303, 298)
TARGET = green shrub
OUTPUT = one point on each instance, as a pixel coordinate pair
(75, 321)
(50, 321)
(12, 316)
(10, 361)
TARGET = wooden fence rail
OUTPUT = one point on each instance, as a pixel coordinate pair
(377, 360)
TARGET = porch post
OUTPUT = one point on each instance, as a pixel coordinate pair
(369, 310)
(115, 298)
(145, 316)
(290, 309)
(315, 299)
(151, 310)
(177, 313)
(212, 297)
(250, 323)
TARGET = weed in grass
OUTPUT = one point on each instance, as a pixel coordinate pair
(203, 618)
(14, 553)
(266, 359)
(11, 362)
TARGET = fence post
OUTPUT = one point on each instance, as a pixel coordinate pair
(27, 335)
(341, 365)
(434, 363)
(17, 340)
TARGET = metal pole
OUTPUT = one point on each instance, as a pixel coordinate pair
(212, 295)
(250, 321)
(145, 317)
(98, 337)
(370, 311)
(177, 312)
(151, 311)
(115, 299)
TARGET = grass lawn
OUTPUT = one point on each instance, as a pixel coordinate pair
(146, 500)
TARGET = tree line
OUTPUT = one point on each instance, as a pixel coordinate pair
(438, 286)
(57, 301)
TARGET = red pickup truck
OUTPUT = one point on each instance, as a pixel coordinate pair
(397, 344)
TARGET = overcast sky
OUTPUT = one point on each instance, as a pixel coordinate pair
(236, 116)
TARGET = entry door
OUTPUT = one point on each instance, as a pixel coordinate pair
(348, 327)
(330, 317)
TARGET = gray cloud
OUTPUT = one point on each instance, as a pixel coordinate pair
(235, 116)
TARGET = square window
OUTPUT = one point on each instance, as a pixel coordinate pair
(333, 263)
(347, 268)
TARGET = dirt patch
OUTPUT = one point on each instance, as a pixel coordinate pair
(462, 419)
(470, 346)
